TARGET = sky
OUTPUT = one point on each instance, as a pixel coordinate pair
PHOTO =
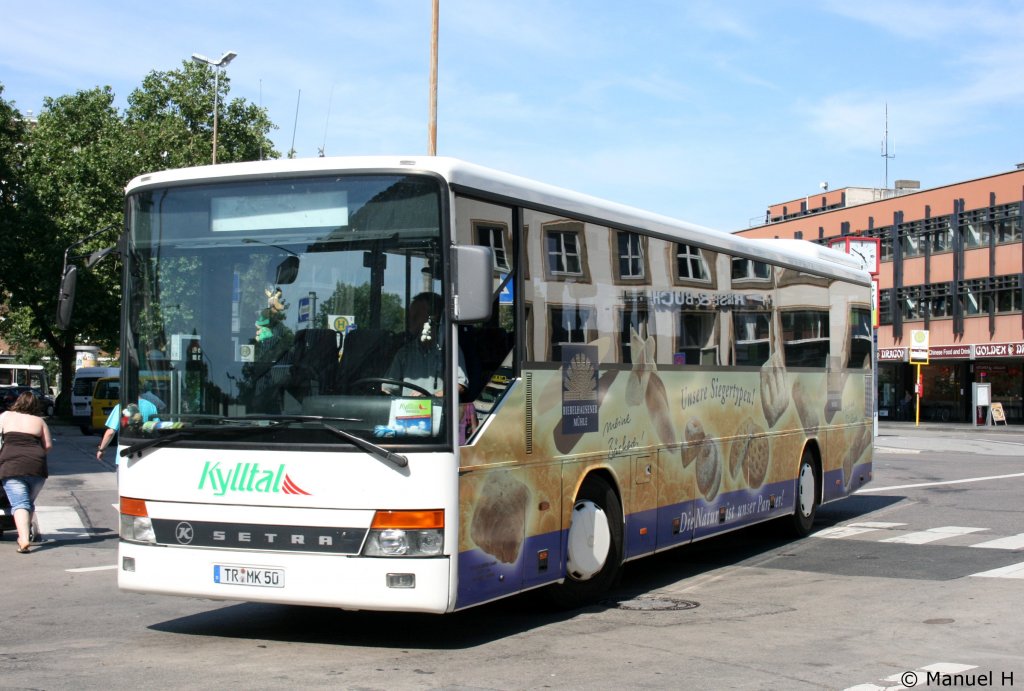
(703, 110)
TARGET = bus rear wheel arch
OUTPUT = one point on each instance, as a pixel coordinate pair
(594, 545)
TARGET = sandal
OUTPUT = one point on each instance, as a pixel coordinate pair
(22, 549)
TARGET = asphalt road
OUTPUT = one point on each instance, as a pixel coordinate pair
(918, 578)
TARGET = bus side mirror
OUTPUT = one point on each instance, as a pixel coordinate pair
(66, 299)
(474, 278)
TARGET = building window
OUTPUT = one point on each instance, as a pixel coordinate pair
(565, 252)
(975, 228)
(910, 238)
(690, 264)
(752, 332)
(570, 324)
(885, 235)
(696, 340)
(805, 337)
(937, 300)
(982, 295)
(749, 269)
(630, 250)
(909, 299)
(1008, 294)
(884, 310)
(939, 233)
(633, 319)
(494, 235)
(860, 338)
(1006, 223)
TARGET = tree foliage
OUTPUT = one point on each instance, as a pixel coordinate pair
(63, 178)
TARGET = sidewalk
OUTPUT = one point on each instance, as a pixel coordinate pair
(948, 427)
(946, 437)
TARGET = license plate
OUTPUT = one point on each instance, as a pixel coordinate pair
(259, 576)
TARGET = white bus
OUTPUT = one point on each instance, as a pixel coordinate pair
(25, 375)
(599, 384)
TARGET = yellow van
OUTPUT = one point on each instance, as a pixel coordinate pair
(105, 396)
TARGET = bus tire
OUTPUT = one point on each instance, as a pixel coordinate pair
(593, 546)
(808, 484)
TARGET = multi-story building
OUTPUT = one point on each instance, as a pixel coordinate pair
(951, 264)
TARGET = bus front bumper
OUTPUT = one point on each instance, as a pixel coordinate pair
(346, 582)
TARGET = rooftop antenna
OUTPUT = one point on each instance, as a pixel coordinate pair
(261, 108)
(291, 152)
(885, 147)
(330, 99)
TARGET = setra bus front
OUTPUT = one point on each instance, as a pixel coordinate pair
(298, 457)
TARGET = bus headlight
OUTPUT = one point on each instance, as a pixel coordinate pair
(136, 524)
(406, 534)
(137, 529)
(404, 543)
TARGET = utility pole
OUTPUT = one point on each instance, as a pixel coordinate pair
(432, 123)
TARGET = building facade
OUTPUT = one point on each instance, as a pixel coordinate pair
(951, 264)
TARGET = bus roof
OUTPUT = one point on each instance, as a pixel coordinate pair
(501, 186)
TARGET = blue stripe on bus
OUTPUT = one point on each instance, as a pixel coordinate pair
(482, 577)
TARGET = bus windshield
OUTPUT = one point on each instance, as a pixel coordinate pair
(286, 307)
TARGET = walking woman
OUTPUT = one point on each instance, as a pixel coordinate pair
(26, 439)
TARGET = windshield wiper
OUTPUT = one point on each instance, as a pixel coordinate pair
(367, 446)
(140, 446)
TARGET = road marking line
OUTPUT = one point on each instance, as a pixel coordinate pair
(942, 668)
(86, 569)
(841, 531)
(922, 537)
(866, 490)
(948, 668)
(890, 449)
(1011, 571)
(60, 523)
(1011, 542)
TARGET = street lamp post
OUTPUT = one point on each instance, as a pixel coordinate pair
(217, 66)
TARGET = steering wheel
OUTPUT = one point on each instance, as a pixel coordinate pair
(396, 382)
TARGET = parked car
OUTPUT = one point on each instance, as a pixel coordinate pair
(6, 517)
(9, 394)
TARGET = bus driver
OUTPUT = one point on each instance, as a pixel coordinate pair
(420, 360)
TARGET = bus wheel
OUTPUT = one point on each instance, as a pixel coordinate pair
(593, 547)
(807, 484)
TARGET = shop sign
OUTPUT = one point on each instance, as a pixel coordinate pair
(892, 354)
(955, 352)
(984, 350)
(947, 352)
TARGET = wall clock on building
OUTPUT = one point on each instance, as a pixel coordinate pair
(865, 249)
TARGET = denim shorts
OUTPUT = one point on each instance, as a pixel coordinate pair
(23, 490)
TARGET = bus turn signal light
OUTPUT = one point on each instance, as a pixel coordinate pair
(408, 520)
(133, 507)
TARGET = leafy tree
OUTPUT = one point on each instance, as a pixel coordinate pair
(171, 120)
(64, 179)
(12, 138)
(72, 173)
